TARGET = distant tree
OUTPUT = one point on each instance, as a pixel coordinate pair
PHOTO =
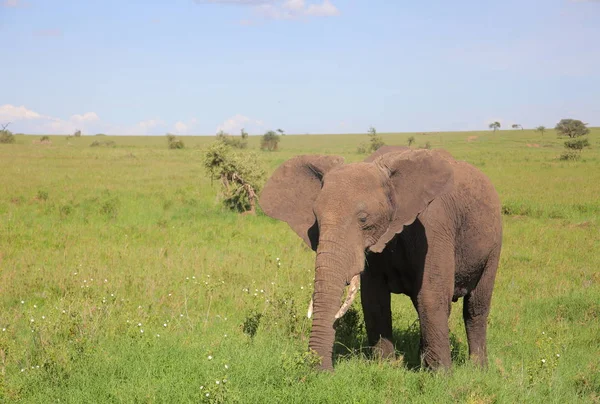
(375, 139)
(517, 126)
(281, 132)
(6, 136)
(77, 133)
(541, 129)
(173, 142)
(232, 141)
(572, 128)
(244, 134)
(411, 140)
(270, 141)
(495, 126)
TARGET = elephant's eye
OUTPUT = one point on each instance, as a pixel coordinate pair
(362, 217)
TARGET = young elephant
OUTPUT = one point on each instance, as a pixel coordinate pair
(407, 221)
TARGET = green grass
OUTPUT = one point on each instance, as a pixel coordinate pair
(96, 241)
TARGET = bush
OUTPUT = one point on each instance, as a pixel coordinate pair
(100, 134)
(238, 143)
(270, 141)
(173, 142)
(240, 174)
(376, 140)
(363, 148)
(244, 134)
(45, 139)
(411, 140)
(577, 144)
(6, 136)
(570, 155)
(108, 143)
(77, 133)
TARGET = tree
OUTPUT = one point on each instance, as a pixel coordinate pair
(495, 126)
(270, 141)
(517, 126)
(376, 140)
(572, 128)
(541, 129)
(244, 134)
(173, 142)
(411, 140)
(281, 132)
(240, 174)
(77, 133)
(6, 136)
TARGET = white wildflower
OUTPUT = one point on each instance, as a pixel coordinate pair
(209, 357)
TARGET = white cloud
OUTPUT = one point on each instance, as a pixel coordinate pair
(13, 3)
(325, 9)
(235, 124)
(150, 124)
(180, 127)
(12, 113)
(281, 9)
(88, 116)
(36, 122)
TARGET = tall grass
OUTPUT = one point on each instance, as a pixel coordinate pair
(122, 279)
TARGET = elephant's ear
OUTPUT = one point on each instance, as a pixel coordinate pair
(385, 150)
(292, 189)
(416, 177)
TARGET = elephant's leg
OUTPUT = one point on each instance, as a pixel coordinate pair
(476, 307)
(376, 303)
(433, 303)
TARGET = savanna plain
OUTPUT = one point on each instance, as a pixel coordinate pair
(124, 279)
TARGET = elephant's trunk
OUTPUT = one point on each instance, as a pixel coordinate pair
(331, 270)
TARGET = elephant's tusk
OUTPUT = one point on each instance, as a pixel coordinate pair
(310, 309)
(354, 284)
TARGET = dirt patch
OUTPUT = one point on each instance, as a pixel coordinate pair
(533, 145)
(472, 138)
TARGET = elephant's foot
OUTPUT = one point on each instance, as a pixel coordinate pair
(384, 349)
(436, 360)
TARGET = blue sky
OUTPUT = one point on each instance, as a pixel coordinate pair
(306, 66)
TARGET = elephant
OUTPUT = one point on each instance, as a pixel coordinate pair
(404, 221)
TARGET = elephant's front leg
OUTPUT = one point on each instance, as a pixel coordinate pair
(376, 304)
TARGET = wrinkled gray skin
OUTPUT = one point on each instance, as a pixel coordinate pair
(415, 222)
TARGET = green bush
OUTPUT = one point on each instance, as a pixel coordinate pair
(108, 143)
(270, 141)
(174, 143)
(6, 136)
(570, 155)
(376, 140)
(240, 174)
(577, 144)
(238, 143)
(45, 139)
(363, 148)
(410, 140)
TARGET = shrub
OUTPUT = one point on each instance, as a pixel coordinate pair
(6, 136)
(45, 139)
(363, 148)
(244, 134)
(238, 143)
(411, 140)
(173, 142)
(77, 133)
(108, 143)
(270, 141)
(570, 155)
(240, 174)
(100, 134)
(577, 144)
(376, 140)
(426, 146)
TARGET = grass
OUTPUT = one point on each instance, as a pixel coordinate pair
(123, 280)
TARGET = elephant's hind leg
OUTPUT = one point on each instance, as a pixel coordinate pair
(476, 307)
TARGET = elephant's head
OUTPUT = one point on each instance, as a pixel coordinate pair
(343, 210)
